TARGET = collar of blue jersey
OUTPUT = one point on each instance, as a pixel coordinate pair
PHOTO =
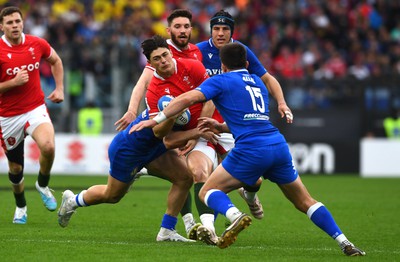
(3, 37)
(210, 42)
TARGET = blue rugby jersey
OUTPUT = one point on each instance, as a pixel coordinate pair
(212, 61)
(242, 99)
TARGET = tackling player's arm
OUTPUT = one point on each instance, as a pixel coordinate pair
(213, 125)
(174, 107)
(178, 139)
(163, 129)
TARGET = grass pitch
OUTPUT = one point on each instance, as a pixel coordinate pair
(367, 210)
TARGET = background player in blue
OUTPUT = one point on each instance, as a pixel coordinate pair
(260, 148)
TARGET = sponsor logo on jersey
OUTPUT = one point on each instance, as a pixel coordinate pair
(29, 67)
(9, 56)
(255, 116)
(212, 72)
(210, 55)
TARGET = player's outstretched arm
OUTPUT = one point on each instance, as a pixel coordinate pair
(275, 90)
(143, 124)
(137, 95)
(177, 105)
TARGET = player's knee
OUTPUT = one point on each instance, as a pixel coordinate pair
(199, 174)
(184, 181)
(16, 178)
(202, 194)
(15, 168)
(305, 204)
(47, 149)
(114, 199)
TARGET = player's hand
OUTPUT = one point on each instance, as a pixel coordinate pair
(285, 111)
(22, 77)
(125, 120)
(210, 123)
(188, 147)
(57, 96)
(143, 124)
(208, 135)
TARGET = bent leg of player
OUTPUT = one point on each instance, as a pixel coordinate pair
(42, 131)
(16, 177)
(172, 167)
(219, 201)
(111, 193)
(17, 181)
(201, 161)
(297, 193)
(249, 194)
(186, 211)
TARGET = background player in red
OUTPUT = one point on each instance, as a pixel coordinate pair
(22, 105)
(180, 30)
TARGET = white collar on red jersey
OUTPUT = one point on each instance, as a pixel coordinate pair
(170, 43)
(3, 37)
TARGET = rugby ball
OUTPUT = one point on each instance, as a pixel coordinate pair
(181, 120)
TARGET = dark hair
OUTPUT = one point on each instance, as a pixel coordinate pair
(179, 13)
(8, 11)
(233, 56)
(151, 44)
(223, 18)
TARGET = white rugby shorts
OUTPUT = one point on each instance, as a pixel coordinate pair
(214, 152)
(14, 129)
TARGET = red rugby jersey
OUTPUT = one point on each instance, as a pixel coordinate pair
(189, 74)
(24, 98)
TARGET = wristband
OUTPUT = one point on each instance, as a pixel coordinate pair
(161, 117)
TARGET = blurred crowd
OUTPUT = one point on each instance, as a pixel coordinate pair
(301, 42)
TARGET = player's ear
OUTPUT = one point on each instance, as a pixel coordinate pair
(247, 64)
(224, 68)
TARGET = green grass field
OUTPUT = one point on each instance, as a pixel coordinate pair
(367, 210)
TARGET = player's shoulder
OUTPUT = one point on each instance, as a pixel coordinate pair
(33, 38)
(193, 46)
(203, 45)
(188, 62)
(237, 41)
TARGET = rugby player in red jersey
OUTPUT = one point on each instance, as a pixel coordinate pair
(22, 106)
(179, 29)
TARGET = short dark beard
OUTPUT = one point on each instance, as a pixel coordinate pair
(175, 40)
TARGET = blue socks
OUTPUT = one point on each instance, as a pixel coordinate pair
(218, 201)
(321, 217)
(169, 222)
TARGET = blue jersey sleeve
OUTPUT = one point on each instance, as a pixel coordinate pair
(255, 66)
